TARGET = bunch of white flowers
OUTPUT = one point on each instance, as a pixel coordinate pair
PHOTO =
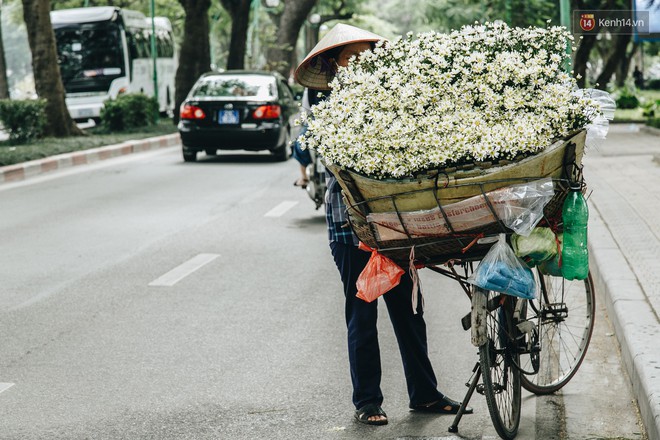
(483, 92)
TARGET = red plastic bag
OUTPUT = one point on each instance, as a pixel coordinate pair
(379, 276)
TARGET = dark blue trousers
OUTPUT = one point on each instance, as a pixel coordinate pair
(363, 349)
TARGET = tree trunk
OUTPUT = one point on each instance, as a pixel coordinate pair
(47, 80)
(195, 54)
(4, 84)
(293, 17)
(620, 50)
(582, 58)
(239, 10)
(624, 66)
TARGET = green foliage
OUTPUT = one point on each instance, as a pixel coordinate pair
(128, 112)
(651, 108)
(627, 99)
(452, 14)
(653, 84)
(653, 122)
(23, 120)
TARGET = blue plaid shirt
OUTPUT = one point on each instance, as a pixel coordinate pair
(339, 229)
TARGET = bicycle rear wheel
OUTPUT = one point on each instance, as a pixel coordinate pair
(564, 316)
(498, 359)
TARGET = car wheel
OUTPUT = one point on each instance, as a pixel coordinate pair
(283, 152)
(190, 156)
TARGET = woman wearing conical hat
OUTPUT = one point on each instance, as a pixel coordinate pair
(317, 69)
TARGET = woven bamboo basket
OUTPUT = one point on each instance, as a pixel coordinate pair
(438, 188)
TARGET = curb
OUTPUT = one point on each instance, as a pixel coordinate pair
(25, 170)
(650, 130)
(634, 321)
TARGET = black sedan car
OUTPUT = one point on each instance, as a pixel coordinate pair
(238, 110)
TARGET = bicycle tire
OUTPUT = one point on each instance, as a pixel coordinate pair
(564, 313)
(498, 358)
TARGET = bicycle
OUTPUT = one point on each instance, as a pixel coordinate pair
(534, 344)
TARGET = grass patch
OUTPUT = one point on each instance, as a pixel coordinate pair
(97, 137)
(629, 115)
(652, 95)
(636, 114)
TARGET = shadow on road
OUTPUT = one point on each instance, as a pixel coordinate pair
(236, 158)
(318, 219)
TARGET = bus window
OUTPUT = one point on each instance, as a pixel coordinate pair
(132, 44)
(146, 43)
(168, 45)
(89, 51)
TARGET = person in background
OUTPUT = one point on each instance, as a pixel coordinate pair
(338, 46)
(309, 99)
(638, 77)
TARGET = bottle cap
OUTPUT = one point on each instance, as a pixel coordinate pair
(575, 186)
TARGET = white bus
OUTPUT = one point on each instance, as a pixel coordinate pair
(106, 51)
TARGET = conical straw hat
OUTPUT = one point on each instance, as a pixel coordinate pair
(312, 72)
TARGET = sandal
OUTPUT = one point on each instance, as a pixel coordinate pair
(362, 415)
(301, 183)
(442, 406)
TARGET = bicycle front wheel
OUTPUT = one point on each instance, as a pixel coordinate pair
(564, 316)
(498, 361)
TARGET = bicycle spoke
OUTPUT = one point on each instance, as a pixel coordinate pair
(564, 312)
(501, 379)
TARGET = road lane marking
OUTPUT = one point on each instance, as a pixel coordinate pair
(183, 270)
(280, 209)
(5, 386)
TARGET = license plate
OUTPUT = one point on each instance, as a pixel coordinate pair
(228, 117)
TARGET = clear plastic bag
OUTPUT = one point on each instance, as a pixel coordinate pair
(597, 130)
(378, 277)
(520, 207)
(539, 246)
(552, 266)
(502, 271)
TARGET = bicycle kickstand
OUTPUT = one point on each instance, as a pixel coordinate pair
(476, 374)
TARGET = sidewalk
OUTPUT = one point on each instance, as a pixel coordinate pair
(624, 243)
(21, 171)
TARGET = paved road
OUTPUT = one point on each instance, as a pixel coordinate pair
(100, 339)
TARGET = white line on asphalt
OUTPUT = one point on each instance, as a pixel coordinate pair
(180, 272)
(280, 209)
(5, 386)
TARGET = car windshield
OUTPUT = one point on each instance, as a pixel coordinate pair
(239, 86)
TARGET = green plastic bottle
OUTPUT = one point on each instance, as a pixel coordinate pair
(575, 255)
